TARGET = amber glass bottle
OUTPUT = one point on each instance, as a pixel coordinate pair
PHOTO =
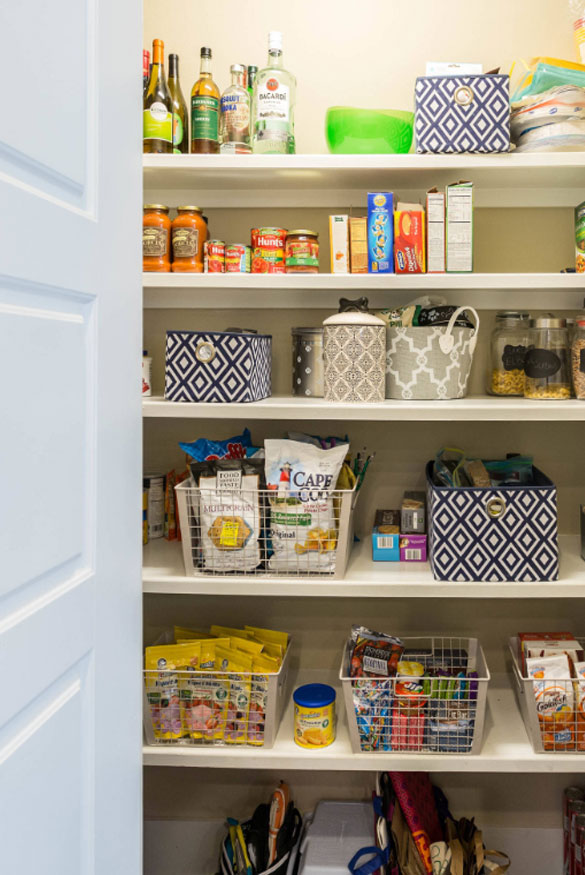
(205, 109)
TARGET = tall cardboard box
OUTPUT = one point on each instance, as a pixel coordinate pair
(435, 231)
(459, 227)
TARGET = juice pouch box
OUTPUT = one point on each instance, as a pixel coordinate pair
(239, 686)
(409, 238)
(380, 232)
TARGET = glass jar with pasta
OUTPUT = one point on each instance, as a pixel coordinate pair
(509, 342)
(547, 363)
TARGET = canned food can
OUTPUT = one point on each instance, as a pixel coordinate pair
(268, 245)
(154, 484)
(214, 256)
(238, 258)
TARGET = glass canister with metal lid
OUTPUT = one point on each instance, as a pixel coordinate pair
(307, 362)
(547, 363)
(509, 342)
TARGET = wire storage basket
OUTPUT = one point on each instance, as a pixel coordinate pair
(214, 707)
(552, 708)
(443, 713)
(254, 532)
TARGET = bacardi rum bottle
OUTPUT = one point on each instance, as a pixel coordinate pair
(273, 104)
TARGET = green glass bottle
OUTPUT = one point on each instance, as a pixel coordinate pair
(180, 112)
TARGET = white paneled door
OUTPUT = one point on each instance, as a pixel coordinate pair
(70, 326)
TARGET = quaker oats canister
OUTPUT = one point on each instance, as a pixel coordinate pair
(307, 362)
(354, 351)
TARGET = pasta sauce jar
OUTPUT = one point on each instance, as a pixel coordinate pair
(268, 250)
(156, 238)
(188, 233)
(302, 252)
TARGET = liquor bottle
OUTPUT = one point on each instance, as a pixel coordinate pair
(273, 104)
(252, 73)
(234, 122)
(145, 71)
(157, 113)
(180, 113)
(205, 109)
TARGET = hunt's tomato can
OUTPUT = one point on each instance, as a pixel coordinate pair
(268, 250)
(214, 256)
(237, 258)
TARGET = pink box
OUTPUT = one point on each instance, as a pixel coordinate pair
(413, 548)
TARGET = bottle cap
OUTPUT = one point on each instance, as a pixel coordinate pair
(252, 68)
(237, 68)
(549, 321)
(205, 52)
(275, 40)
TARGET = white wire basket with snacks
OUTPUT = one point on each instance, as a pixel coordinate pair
(428, 694)
(550, 690)
(251, 531)
(239, 708)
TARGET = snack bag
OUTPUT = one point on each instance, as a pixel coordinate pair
(194, 634)
(170, 530)
(554, 696)
(273, 636)
(580, 700)
(164, 686)
(204, 450)
(262, 666)
(229, 514)
(374, 654)
(303, 524)
(238, 701)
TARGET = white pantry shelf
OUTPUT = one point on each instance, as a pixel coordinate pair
(313, 291)
(285, 407)
(508, 180)
(505, 748)
(163, 572)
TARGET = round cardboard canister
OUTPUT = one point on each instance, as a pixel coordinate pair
(314, 715)
(354, 349)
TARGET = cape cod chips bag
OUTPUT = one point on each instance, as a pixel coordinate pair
(303, 527)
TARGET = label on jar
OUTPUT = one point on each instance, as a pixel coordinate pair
(302, 253)
(235, 109)
(513, 357)
(273, 100)
(157, 123)
(540, 364)
(185, 242)
(204, 117)
(154, 241)
(178, 133)
(314, 727)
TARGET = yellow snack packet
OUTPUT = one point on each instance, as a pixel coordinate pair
(273, 650)
(236, 720)
(188, 634)
(222, 631)
(269, 635)
(208, 649)
(262, 666)
(253, 648)
(164, 686)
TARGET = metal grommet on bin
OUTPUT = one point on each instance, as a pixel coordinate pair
(463, 95)
(205, 352)
(495, 507)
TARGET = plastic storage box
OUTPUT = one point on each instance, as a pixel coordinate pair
(338, 831)
(438, 722)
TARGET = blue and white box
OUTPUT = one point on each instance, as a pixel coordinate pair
(380, 232)
(218, 366)
(386, 543)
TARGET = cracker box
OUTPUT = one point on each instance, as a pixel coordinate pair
(380, 232)
(386, 536)
(459, 227)
(413, 548)
(409, 238)
(339, 244)
(358, 244)
(435, 228)
(413, 514)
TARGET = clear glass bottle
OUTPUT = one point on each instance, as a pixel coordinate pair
(509, 342)
(578, 360)
(547, 365)
(252, 73)
(273, 104)
(205, 109)
(234, 121)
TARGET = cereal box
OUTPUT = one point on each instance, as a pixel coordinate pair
(380, 232)
(339, 244)
(580, 238)
(409, 238)
(358, 244)
(459, 230)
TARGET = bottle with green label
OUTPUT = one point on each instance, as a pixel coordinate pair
(205, 109)
(157, 115)
(180, 114)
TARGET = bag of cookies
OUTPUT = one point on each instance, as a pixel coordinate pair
(303, 526)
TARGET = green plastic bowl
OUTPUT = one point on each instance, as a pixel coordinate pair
(368, 131)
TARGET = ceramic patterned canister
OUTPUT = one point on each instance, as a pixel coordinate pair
(355, 357)
(307, 362)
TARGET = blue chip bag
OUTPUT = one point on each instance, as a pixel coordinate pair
(204, 450)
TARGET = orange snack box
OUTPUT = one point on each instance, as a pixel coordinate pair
(409, 239)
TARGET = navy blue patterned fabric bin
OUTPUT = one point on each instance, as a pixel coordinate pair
(500, 534)
(220, 366)
(462, 114)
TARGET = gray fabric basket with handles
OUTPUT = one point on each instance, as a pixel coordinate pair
(430, 363)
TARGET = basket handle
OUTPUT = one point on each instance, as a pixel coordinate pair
(447, 341)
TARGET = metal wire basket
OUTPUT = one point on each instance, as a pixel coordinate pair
(555, 721)
(214, 708)
(254, 532)
(447, 716)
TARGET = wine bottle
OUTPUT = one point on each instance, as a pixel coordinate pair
(180, 113)
(205, 109)
(145, 71)
(157, 113)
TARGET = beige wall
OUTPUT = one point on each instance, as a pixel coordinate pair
(358, 54)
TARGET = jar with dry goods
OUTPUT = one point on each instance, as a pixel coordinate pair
(578, 360)
(547, 362)
(509, 342)
(302, 251)
(188, 233)
(156, 238)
